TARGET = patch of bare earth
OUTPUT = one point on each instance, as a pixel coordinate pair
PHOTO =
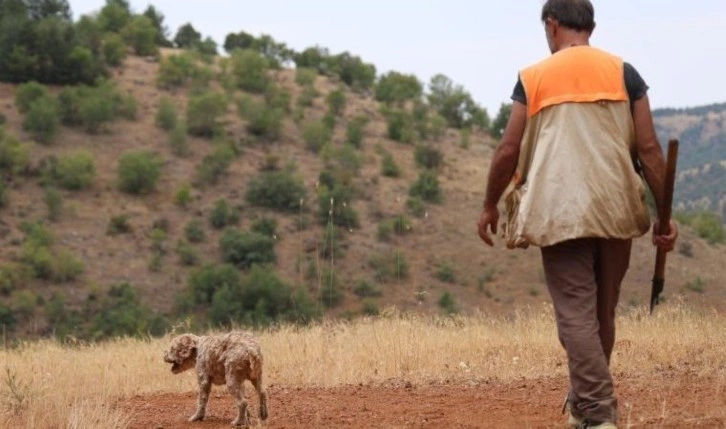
(671, 400)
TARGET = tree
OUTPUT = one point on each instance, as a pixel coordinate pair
(500, 122)
(114, 16)
(162, 31)
(141, 35)
(455, 104)
(239, 40)
(395, 87)
(40, 9)
(187, 37)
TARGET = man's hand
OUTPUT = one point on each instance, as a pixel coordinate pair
(667, 241)
(488, 220)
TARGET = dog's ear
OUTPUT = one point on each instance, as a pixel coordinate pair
(188, 346)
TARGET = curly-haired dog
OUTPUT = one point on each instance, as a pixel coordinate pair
(221, 359)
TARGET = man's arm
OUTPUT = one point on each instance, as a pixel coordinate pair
(653, 163)
(503, 166)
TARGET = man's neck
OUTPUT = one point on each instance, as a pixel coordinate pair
(572, 39)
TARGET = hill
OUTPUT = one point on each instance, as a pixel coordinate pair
(187, 186)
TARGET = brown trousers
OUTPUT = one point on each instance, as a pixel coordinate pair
(584, 277)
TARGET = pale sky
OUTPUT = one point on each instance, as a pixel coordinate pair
(677, 46)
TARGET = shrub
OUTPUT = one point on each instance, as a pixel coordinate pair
(7, 319)
(366, 289)
(266, 226)
(305, 76)
(245, 249)
(317, 136)
(389, 266)
(178, 140)
(370, 308)
(203, 113)
(54, 201)
(206, 281)
(277, 190)
(194, 232)
(416, 206)
(278, 98)
(335, 206)
(166, 115)
(14, 155)
(347, 159)
(95, 111)
(336, 102)
(141, 35)
(118, 225)
(709, 226)
(400, 125)
(94, 107)
(330, 291)
(394, 87)
(427, 187)
(120, 313)
(307, 96)
(179, 70)
(42, 120)
(249, 70)
(262, 119)
(445, 273)
(353, 71)
(214, 165)
(448, 304)
(75, 171)
(138, 172)
(455, 104)
(356, 131)
(65, 267)
(428, 157)
(389, 168)
(222, 215)
(114, 49)
(500, 122)
(188, 256)
(28, 93)
(183, 196)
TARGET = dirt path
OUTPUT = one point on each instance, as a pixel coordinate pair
(672, 401)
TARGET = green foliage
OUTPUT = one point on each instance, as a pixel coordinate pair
(245, 249)
(54, 201)
(428, 157)
(187, 37)
(121, 313)
(140, 34)
(307, 97)
(401, 126)
(331, 293)
(305, 76)
(138, 172)
(214, 165)
(277, 54)
(183, 196)
(389, 267)
(336, 102)
(42, 120)
(389, 167)
(353, 71)
(399, 225)
(166, 115)
(157, 20)
(394, 87)
(194, 232)
(334, 206)
(366, 289)
(707, 225)
(75, 171)
(180, 70)
(118, 225)
(448, 304)
(356, 131)
(500, 122)
(94, 107)
(455, 104)
(7, 319)
(46, 262)
(266, 226)
(317, 136)
(263, 119)
(114, 16)
(204, 112)
(207, 48)
(332, 245)
(27, 93)
(12, 277)
(445, 272)
(222, 215)
(206, 281)
(188, 256)
(416, 206)
(277, 190)
(427, 187)
(697, 285)
(249, 70)
(178, 139)
(114, 49)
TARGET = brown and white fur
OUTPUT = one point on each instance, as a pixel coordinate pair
(227, 359)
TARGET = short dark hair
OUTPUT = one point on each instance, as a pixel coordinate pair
(576, 15)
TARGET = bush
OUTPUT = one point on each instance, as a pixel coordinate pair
(356, 131)
(334, 206)
(28, 93)
(179, 70)
(178, 140)
(245, 249)
(336, 102)
(455, 104)
(317, 136)
(121, 313)
(448, 304)
(188, 256)
(214, 165)
(500, 122)
(366, 289)
(118, 225)
(203, 113)
(42, 120)
(54, 201)
(222, 215)
(114, 49)
(141, 35)
(194, 232)
(400, 125)
(305, 76)
(428, 157)
(389, 266)
(370, 308)
(277, 190)
(75, 171)
(262, 119)
(709, 226)
(166, 115)
(138, 172)
(416, 206)
(307, 96)
(94, 107)
(389, 168)
(95, 111)
(330, 291)
(394, 87)
(249, 70)
(266, 226)
(427, 187)
(14, 155)
(183, 196)
(445, 273)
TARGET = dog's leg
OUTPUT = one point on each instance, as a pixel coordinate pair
(205, 386)
(236, 387)
(262, 395)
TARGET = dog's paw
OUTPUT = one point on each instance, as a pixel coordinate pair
(196, 417)
(263, 412)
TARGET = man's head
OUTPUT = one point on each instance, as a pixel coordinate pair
(566, 21)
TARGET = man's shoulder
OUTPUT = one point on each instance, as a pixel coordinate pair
(566, 54)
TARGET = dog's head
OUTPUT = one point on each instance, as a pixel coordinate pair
(182, 353)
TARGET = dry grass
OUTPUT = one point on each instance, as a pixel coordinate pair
(45, 384)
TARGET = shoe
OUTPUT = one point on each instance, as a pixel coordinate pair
(606, 425)
(572, 421)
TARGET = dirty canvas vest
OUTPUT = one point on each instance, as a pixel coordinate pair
(575, 175)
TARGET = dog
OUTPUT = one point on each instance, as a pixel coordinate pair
(227, 359)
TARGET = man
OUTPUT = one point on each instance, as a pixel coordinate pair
(579, 132)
